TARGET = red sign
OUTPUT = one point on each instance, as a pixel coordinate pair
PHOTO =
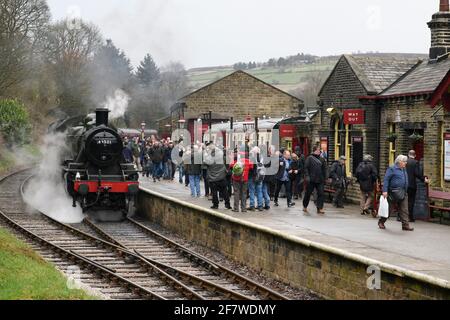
(354, 116)
(287, 131)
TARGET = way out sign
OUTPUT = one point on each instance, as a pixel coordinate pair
(354, 116)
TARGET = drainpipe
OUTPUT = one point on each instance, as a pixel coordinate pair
(378, 156)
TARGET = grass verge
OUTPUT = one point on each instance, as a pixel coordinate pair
(24, 275)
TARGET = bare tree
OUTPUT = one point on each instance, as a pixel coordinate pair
(70, 47)
(22, 26)
(310, 90)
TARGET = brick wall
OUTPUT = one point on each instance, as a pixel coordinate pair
(342, 91)
(300, 263)
(416, 111)
(239, 95)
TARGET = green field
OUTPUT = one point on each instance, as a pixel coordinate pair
(288, 78)
(26, 276)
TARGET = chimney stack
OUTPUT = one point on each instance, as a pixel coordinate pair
(440, 31)
(101, 117)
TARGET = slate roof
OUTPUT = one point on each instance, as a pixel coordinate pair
(176, 107)
(378, 72)
(425, 78)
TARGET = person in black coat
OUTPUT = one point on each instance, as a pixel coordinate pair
(316, 173)
(367, 176)
(414, 174)
(339, 177)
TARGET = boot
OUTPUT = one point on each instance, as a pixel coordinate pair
(381, 225)
(320, 211)
(406, 227)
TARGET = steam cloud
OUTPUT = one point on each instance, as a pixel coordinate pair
(46, 191)
(117, 104)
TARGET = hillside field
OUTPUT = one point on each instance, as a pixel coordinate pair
(287, 79)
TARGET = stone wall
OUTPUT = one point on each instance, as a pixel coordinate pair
(342, 91)
(415, 111)
(240, 95)
(332, 273)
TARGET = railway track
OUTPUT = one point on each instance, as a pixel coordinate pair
(123, 260)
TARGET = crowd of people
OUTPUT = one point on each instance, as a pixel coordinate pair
(257, 178)
(153, 157)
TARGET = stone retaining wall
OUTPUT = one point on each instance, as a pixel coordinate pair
(330, 272)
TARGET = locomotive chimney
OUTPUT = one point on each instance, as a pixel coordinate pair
(101, 116)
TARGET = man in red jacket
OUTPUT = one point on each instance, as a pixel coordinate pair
(240, 168)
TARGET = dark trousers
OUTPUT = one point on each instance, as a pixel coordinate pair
(206, 182)
(338, 199)
(402, 210)
(297, 186)
(240, 195)
(411, 201)
(287, 187)
(320, 194)
(229, 188)
(219, 188)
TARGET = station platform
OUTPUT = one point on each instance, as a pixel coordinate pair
(425, 251)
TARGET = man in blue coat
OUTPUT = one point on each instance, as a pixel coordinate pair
(395, 189)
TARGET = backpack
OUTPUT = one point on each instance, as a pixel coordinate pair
(363, 172)
(260, 173)
(238, 169)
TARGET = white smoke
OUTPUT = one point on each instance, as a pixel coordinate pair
(46, 191)
(117, 104)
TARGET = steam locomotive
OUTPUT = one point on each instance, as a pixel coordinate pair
(94, 170)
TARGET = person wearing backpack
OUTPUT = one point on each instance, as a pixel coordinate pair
(339, 179)
(240, 171)
(367, 176)
(255, 181)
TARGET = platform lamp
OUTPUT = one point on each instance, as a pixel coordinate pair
(143, 125)
(333, 112)
(392, 130)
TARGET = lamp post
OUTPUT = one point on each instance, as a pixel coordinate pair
(143, 125)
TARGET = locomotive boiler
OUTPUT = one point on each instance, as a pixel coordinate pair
(94, 169)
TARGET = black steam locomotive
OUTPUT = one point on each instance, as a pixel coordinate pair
(94, 169)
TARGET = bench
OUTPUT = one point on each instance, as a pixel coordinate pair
(330, 190)
(433, 195)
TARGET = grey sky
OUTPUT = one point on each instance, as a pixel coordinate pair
(218, 32)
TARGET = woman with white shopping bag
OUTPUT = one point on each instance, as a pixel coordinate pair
(395, 191)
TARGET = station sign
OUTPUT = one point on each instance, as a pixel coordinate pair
(354, 116)
(287, 131)
(447, 157)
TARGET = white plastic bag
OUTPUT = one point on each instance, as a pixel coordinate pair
(383, 210)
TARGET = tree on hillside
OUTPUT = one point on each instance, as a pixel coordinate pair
(22, 26)
(70, 48)
(174, 82)
(148, 73)
(153, 102)
(110, 70)
(14, 123)
(309, 92)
